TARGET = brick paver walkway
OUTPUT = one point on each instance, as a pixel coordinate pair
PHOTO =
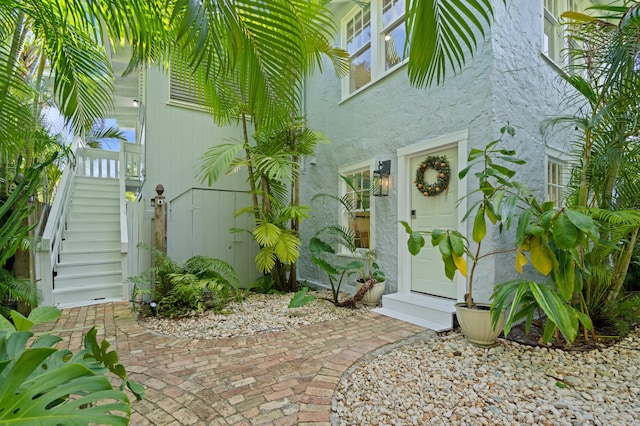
(282, 378)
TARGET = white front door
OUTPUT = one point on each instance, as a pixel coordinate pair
(428, 213)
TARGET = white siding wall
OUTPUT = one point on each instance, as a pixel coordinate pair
(176, 139)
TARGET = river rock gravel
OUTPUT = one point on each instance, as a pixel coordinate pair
(445, 380)
(256, 314)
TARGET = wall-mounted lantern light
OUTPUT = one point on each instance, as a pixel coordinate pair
(136, 103)
(381, 179)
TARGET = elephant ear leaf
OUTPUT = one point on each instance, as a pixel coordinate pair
(71, 394)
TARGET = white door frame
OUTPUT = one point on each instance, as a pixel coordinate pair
(405, 186)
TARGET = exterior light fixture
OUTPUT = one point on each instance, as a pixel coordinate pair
(154, 306)
(136, 103)
(153, 202)
(381, 179)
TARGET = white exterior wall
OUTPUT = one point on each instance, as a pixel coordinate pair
(176, 139)
(508, 80)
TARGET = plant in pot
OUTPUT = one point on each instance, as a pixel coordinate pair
(552, 238)
(370, 281)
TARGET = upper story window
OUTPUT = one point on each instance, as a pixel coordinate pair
(556, 39)
(357, 194)
(374, 36)
(185, 86)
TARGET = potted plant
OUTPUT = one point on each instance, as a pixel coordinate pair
(550, 236)
(370, 282)
(497, 204)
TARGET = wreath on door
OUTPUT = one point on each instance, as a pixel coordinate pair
(440, 165)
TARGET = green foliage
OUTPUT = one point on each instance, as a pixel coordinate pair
(301, 298)
(15, 289)
(321, 254)
(43, 385)
(624, 313)
(264, 285)
(199, 284)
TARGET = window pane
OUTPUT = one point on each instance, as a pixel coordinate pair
(359, 222)
(358, 31)
(393, 46)
(360, 70)
(392, 10)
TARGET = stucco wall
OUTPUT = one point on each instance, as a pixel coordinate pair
(508, 80)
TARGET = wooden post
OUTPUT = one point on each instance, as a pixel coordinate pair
(160, 220)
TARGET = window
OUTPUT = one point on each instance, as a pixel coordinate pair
(358, 196)
(374, 36)
(185, 86)
(555, 40)
(556, 181)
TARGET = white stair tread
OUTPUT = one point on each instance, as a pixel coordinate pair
(413, 320)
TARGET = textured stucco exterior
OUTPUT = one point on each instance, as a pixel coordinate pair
(508, 80)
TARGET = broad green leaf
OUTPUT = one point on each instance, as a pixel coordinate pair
(301, 298)
(415, 243)
(5, 325)
(265, 260)
(583, 223)
(317, 246)
(43, 314)
(479, 226)
(457, 244)
(449, 267)
(565, 234)
(287, 248)
(20, 321)
(445, 247)
(539, 256)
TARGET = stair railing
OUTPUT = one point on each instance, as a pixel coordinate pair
(124, 235)
(49, 249)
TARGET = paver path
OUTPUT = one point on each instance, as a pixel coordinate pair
(281, 378)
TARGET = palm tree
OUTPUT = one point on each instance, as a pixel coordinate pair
(443, 35)
(264, 87)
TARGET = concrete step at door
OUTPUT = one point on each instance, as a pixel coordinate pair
(95, 245)
(65, 269)
(91, 235)
(70, 256)
(87, 280)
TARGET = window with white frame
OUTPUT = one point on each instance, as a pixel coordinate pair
(357, 193)
(374, 36)
(555, 38)
(556, 180)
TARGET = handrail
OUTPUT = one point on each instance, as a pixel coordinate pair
(124, 235)
(52, 235)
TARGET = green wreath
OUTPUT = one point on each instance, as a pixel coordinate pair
(440, 165)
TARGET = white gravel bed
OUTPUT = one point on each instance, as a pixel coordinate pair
(256, 314)
(446, 380)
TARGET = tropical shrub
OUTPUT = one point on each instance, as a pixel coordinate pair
(201, 283)
(40, 384)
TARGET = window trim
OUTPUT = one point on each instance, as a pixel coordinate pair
(378, 71)
(547, 15)
(345, 170)
(554, 156)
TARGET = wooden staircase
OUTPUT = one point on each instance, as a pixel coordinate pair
(89, 264)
